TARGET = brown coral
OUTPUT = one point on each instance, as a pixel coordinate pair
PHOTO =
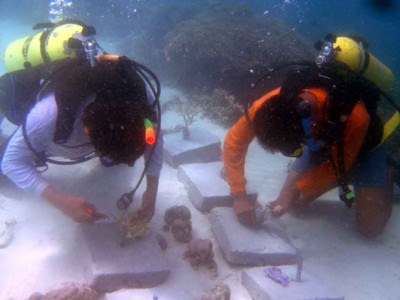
(200, 252)
(70, 291)
(220, 107)
(219, 292)
(132, 226)
(176, 212)
(182, 230)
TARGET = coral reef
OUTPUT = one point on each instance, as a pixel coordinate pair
(214, 50)
(70, 291)
(199, 252)
(220, 292)
(227, 46)
(220, 107)
(177, 218)
(131, 226)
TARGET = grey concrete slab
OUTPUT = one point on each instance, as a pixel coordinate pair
(310, 287)
(245, 246)
(205, 186)
(139, 264)
(202, 146)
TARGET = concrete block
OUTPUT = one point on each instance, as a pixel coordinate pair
(245, 246)
(206, 188)
(202, 146)
(309, 287)
(139, 264)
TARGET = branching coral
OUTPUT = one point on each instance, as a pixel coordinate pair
(220, 107)
(131, 226)
(189, 110)
(220, 292)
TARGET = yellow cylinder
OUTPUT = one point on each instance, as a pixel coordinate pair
(26, 51)
(356, 58)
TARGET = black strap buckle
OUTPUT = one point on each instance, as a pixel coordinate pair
(125, 200)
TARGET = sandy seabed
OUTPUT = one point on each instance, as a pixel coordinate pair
(45, 251)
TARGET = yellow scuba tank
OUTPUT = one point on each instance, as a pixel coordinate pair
(354, 54)
(48, 45)
(358, 59)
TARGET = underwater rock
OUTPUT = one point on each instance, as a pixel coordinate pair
(206, 196)
(310, 287)
(220, 292)
(202, 146)
(199, 252)
(7, 226)
(69, 291)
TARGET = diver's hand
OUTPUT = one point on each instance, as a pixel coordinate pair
(77, 208)
(289, 195)
(244, 209)
(149, 198)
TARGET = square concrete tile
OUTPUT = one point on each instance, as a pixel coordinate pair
(245, 246)
(202, 146)
(140, 264)
(206, 188)
(310, 287)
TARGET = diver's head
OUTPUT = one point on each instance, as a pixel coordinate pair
(116, 129)
(277, 125)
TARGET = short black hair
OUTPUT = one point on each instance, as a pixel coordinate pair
(277, 125)
(116, 129)
(115, 118)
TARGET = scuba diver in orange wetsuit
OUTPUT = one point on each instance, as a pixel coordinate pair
(327, 118)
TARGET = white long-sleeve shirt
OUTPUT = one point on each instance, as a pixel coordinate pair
(17, 163)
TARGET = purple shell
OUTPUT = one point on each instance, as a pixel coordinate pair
(277, 275)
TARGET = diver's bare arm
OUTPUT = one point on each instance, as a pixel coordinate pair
(149, 197)
(288, 196)
(77, 208)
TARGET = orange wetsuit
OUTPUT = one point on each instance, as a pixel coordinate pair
(315, 181)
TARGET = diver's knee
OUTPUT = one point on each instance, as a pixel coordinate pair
(373, 225)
